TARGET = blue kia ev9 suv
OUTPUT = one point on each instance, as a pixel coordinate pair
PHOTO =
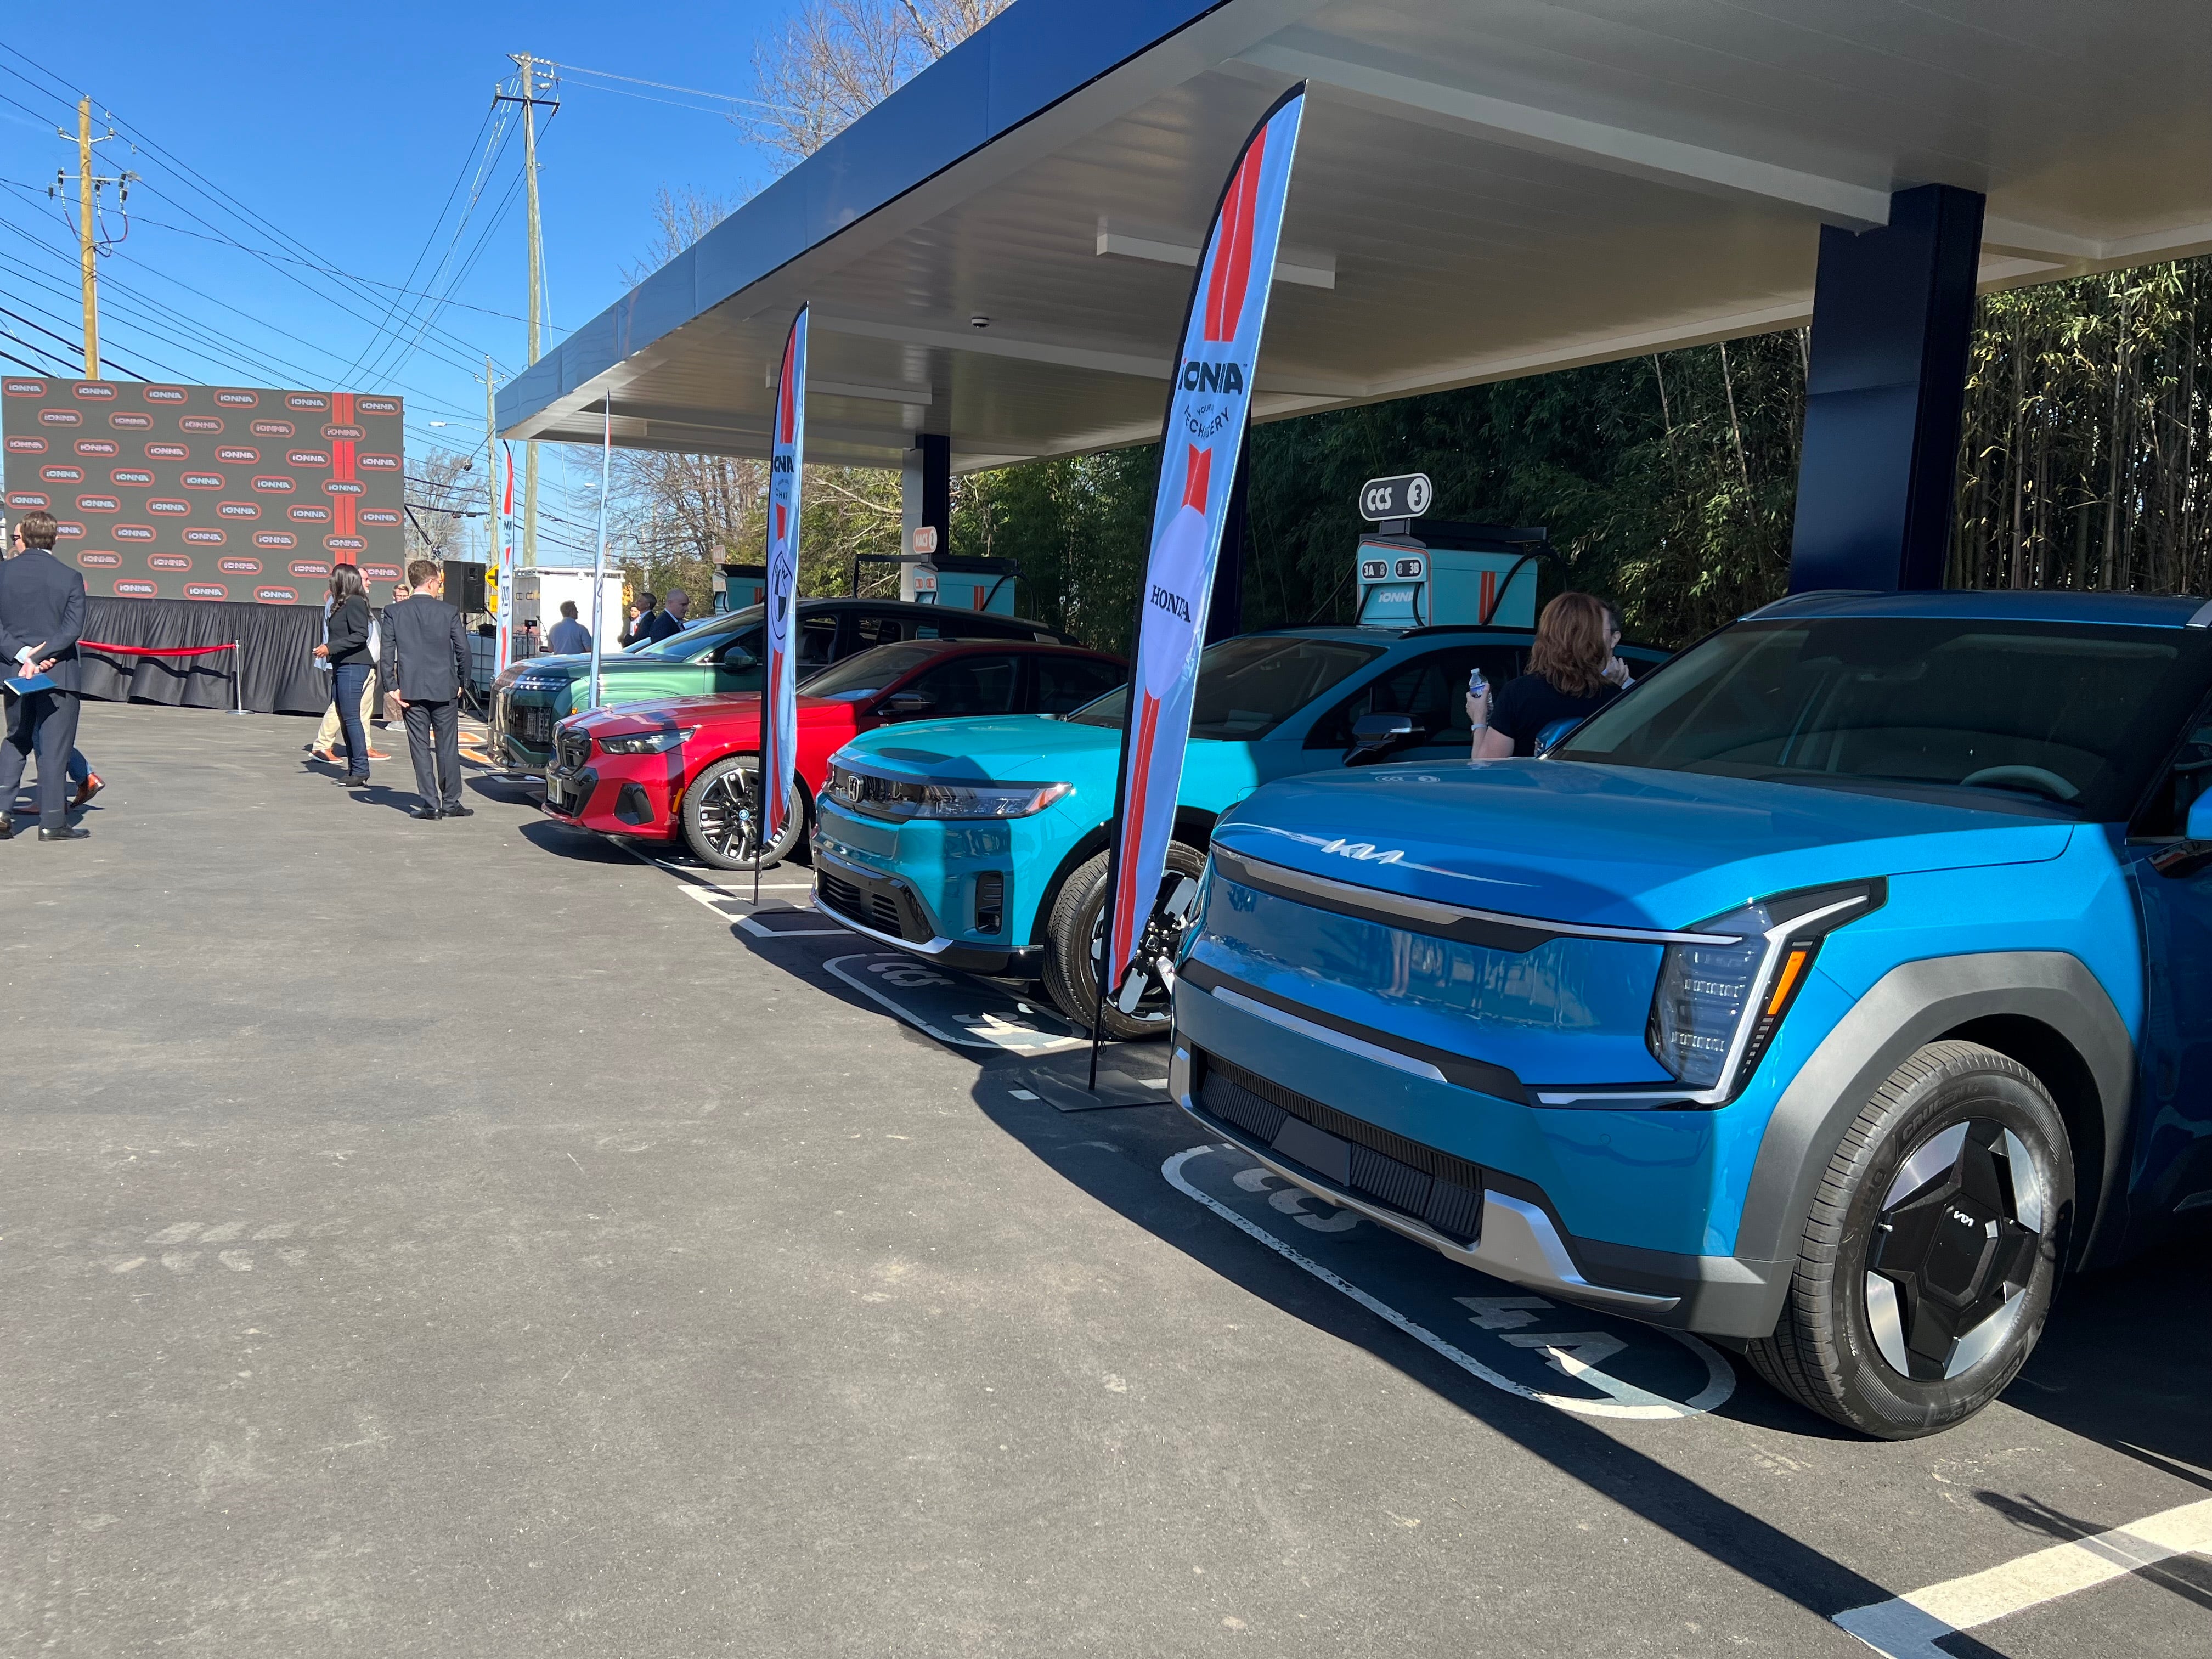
(1828, 994)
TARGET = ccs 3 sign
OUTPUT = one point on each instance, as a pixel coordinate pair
(1406, 496)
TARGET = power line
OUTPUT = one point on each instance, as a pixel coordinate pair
(691, 91)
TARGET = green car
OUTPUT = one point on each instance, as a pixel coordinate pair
(715, 657)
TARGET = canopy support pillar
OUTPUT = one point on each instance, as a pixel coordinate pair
(1892, 311)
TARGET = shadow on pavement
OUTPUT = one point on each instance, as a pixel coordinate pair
(2125, 1358)
(2151, 1325)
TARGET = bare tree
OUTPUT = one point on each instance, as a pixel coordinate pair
(835, 60)
(441, 489)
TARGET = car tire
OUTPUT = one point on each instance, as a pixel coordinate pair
(1926, 1266)
(717, 815)
(1074, 937)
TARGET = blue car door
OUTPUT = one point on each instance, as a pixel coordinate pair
(2172, 1152)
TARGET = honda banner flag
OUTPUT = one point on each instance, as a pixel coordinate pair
(780, 668)
(1204, 436)
(503, 488)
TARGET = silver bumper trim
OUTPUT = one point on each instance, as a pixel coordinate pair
(1518, 1242)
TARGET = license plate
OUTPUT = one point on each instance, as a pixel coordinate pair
(557, 794)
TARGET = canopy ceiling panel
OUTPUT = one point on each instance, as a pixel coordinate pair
(1486, 188)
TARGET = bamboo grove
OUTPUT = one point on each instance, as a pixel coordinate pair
(1669, 482)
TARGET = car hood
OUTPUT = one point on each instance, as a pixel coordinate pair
(1013, 748)
(1616, 846)
(657, 713)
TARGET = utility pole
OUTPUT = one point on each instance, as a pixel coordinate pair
(89, 186)
(530, 101)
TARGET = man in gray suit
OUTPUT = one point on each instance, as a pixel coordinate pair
(41, 617)
(428, 655)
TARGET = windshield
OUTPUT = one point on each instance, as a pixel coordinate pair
(869, 673)
(1981, 713)
(1248, 687)
(700, 638)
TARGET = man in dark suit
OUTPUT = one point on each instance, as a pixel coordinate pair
(428, 656)
(41, 618)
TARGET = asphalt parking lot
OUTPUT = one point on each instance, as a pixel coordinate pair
(473, 1238)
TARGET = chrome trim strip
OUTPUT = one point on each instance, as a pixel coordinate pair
(930, 948)
(1306, 1027)
(1518, 1244)
(1437, 913)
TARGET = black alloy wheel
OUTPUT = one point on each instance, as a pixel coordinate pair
(1926, 1266)
(718, 819)
(1075, 946)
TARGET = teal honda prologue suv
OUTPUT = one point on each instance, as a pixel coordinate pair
(981, 844)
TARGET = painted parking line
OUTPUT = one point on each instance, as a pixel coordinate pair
(1909, 1626)
(1600, 1365)
(954, 1008)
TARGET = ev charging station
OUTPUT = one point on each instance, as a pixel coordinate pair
(1416, 571)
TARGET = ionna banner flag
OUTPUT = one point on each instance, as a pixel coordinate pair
(780, 669)
(1205, 434)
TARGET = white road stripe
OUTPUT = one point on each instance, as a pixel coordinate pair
(1909, 1626)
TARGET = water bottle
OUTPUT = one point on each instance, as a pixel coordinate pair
(1478, 688)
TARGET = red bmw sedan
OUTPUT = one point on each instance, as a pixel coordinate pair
(682, 770)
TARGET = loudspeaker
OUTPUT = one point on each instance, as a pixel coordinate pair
(465, 587)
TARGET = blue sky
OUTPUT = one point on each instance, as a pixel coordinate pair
(334, 137)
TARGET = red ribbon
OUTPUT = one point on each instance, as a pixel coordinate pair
(152, 650)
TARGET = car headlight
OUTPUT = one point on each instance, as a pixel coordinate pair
(1719, 1001)
(896, 798)
(646, 743)
(541, 683)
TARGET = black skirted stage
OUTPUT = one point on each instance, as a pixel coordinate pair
(274, 661)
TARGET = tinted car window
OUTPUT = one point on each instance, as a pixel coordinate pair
(817, 643)
(1982, 711)
(702, 641)
(1431, 688)
(1247, 687)
(873, 627)
(976, 684)
(869, 673)
(1064, 684)
(2186, 777)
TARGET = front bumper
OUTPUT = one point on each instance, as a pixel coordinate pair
(635, 795)
(1225, 1071)
(922, 884)
(887, 909)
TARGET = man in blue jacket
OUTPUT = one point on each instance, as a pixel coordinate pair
(41, 618)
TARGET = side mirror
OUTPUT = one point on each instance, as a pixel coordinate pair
(908, 705)
(2200, 817)
(1549, 737)
(1376, 735)
(2187, 858)
(738, 659)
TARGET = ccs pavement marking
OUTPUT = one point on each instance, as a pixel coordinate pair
(1909, 1626)
(1576, 1355)
(879, 977)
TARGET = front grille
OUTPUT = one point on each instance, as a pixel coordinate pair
(573, 748)
(529, 723)
(872, 906)
(1439, 1187)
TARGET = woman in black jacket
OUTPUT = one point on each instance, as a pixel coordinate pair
(351, 663)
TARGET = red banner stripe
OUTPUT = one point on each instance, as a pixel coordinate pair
(1232, 263)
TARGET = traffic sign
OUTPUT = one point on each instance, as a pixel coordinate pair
(1406, 496)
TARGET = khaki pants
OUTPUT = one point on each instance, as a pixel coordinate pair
(326, 734)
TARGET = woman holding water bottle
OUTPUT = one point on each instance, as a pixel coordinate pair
(1572, 673)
